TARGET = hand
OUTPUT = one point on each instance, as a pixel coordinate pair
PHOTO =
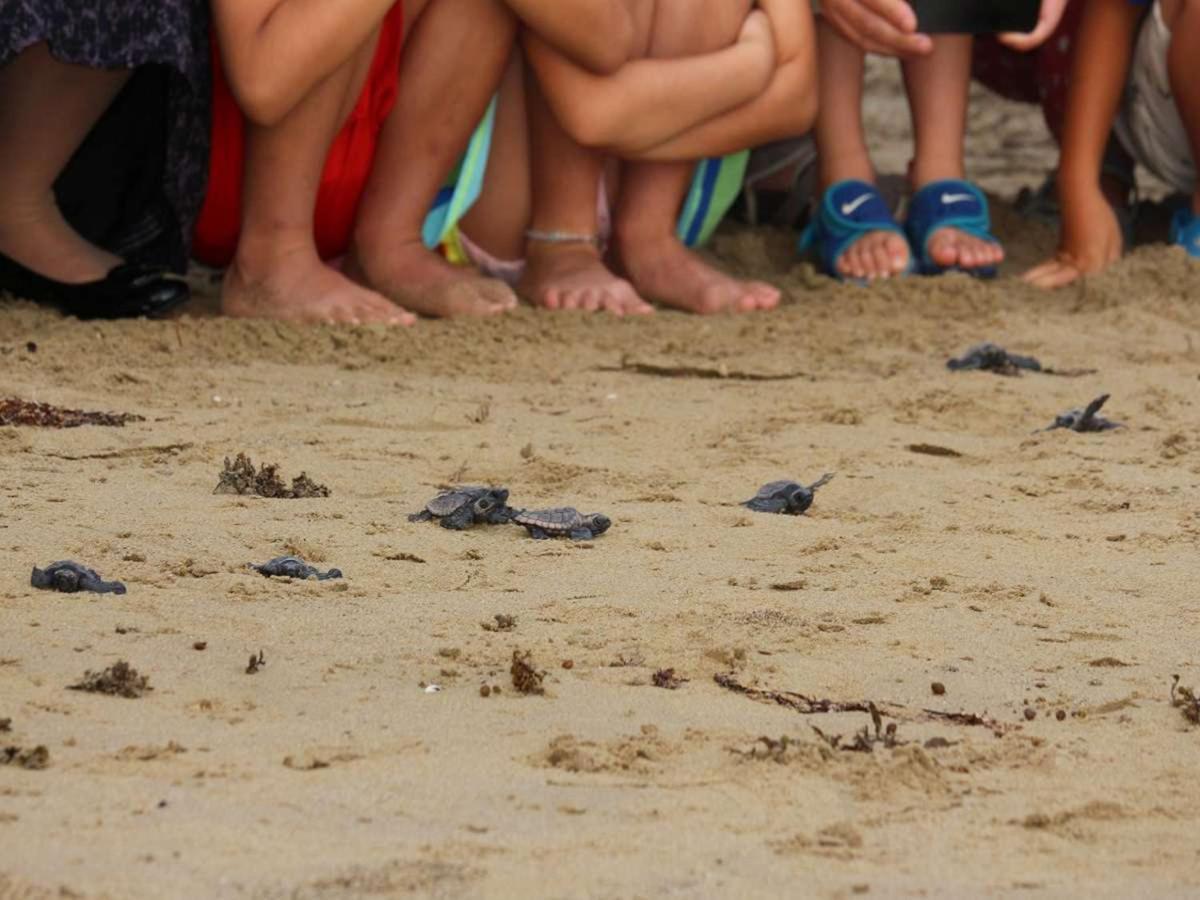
(1091, 242)
(1048, 19)
(757, 32)
(878, 26)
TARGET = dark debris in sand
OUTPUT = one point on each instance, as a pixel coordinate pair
(5, 725)
(667, 679)
(240, 477)
(525, 675)
(1186, 700)
(33, 758)
(118, 680)
(43, 415)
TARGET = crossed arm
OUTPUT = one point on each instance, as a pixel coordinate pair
(277, 51)
(761, 88)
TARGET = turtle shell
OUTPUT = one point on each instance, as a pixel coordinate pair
(776, 489)
(448, 503)
(553, 521)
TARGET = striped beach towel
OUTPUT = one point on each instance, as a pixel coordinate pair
(463, 186)
(715, 188)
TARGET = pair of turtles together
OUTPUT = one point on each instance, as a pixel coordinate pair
(990, 357)
(461, 507)
(68, 577)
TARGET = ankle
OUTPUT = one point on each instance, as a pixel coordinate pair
(926, 170)
(264, 258)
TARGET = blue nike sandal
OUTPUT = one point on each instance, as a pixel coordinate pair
(848, 210)
(947, 204)
(1185, 232)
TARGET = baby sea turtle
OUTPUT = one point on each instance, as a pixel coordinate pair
(991, 357)
(293, 567)
(461, 507)
(68, 577)
(1085, 419)
(789, 498)
(563, 522)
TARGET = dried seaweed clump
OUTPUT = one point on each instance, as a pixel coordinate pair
(240, 477)
(43, 415)
(525, 676)
(118, 680)
(667, 679)
(35, 758)
(1186, 701)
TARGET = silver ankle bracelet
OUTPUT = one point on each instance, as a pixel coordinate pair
(562, 237)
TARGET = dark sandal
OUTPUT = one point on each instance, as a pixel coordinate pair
(128, 291)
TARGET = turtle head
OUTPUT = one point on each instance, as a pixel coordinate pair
(599, 523)
(484, 504)
(66, 581)
(799, 500)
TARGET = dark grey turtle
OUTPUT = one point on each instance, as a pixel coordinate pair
(1085, 419)
(789, 498)
(293, 567)
(562, 522)
(989, 357)
(461, 507)
(68, 577)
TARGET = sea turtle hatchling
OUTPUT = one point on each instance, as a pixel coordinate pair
(789, 498)
(562, 522)
(1085, 419)
(68, 577)
(293, 567)
(461, 507)
(989, 357)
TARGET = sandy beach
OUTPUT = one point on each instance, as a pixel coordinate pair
(1044, 582)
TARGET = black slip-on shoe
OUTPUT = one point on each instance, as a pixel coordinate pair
(128, 291)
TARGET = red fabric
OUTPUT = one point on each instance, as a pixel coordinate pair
(347, 167)
(1039, 76)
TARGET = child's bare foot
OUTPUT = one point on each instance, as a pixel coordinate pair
(422, 281)
(666, 271)
(574, 277)
(877, 254)
(303, 289)
(951, 248)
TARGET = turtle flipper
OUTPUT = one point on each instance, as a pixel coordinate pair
(422, 516)
(538, 534)
(98, 586)
(39, 579)
(459, 520)
(501, 515)
(1087, 422)
(581, 534)
(766, 504)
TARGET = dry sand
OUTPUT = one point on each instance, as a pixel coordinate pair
(1050, 572)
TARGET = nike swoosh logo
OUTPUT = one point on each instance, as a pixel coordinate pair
(947, 199)
(849, 208)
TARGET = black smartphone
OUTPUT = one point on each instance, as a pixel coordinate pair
(975, 16)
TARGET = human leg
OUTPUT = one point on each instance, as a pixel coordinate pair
(657, 262)
(440, 102)
(937, 90)
(566, 180)
(277, 271)
(34, 150)
(842, 145)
